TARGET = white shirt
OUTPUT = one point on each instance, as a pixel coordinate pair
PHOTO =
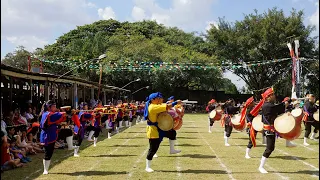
(29, 116)
(3, 127)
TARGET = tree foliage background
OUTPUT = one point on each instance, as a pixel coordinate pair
(256, 37)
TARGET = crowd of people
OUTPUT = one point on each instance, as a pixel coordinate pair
(21, 129)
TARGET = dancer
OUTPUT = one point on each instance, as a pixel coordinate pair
(270, 111)
(48, 125)
(229, 110)
(97, 123)
(309, 109)
(172, 134)
(153, 107)
(80, 124)
(245, 113)
(211, 106)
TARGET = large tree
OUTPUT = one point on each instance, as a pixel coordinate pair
(125, 43)
(261, 37)
(18, 58)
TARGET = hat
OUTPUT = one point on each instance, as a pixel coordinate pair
(267, 93)
(171, 98)
(212, 101)
(249, 101)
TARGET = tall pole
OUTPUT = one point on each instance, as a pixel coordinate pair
(100, 81)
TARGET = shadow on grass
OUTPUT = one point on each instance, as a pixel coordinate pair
(92, 173)
(197, 156)
(189, 132)
(119, 145)
(291, 157)
(308, 172)
(137, 137)
(110, 155)
(259, 145)
(182, 137)
(197, 171)
(187, 145)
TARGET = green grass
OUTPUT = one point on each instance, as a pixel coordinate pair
(203, 156)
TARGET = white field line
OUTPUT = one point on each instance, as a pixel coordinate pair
(136, 163)
(178, 164)
(69, 154)
(218, 159)
(269, 167)
(310, 149)
(293, 157)
(110, 153)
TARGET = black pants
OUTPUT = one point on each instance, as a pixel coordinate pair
(271, 141)
(228, 129)
(79, 140)
(48, 151)
(250, 145)
(118, 121)
(211, 121)
(125, 118)
(97, 131)
(172, 134)
(131, 119)
(64, 133)
(308, 125)
(153, 147)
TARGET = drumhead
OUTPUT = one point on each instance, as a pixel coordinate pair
(284, 123)
(235, 120)
(212, 114)
(257, 123)
(165, 121)
(316, 116)
(296, 112)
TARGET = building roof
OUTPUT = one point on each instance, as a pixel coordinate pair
(19, 73)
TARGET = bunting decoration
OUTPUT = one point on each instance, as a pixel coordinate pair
(149, 65)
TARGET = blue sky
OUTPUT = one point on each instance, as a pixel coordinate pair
(35, 23)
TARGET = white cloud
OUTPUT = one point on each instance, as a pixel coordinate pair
(91, 5)
(186, 14)
(106, 13)
(138, 14)
(314, 18)
(38, 21)
(30, 42)
(210, 24)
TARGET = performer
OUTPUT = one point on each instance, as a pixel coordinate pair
(153, 107)
(110, 124)
(245, 113)
(66, 131)
(270, 111)
(211, 106)
(126, 114)
(289, 108)
(48, 125)
(80, 124)
(120, 116)
(309, 109)
(172, 134)
(229, 110)
(97, 124)
(132, 113)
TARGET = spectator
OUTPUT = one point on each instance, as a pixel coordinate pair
(7, 161)
(18, 153)
(29, 115)
(3, 127)
(25, 142)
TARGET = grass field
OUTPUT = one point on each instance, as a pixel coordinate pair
(203, 156)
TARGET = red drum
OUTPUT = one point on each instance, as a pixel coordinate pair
(316, 116)
(216, 115)
(235, 120)
(297, 114)
(180, 111)
(257, 123)
(287, 126)
(176, 114)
